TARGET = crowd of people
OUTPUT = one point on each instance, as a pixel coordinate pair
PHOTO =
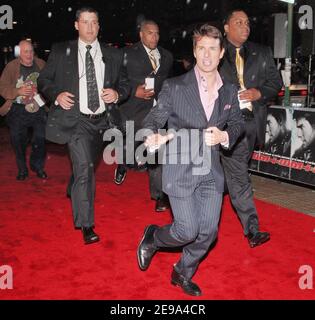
(88, 88)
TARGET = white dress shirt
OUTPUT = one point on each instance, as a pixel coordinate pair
(99, 66)
(156, 55)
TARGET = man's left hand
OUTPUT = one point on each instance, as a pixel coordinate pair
(214, 136)
(250, 95)
(109, 95)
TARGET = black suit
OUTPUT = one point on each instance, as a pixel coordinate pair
(83, 135)
(135, 109)
(194, 189)
(261, 73)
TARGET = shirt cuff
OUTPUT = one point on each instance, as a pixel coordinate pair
(226, 142)
(116, 98)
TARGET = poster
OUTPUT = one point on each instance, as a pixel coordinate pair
(289, 150)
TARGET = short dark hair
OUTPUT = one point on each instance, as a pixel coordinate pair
(207, 30)
(230, 13)
(84, 9)
(279, 114)
(309, 116)
(145, 22)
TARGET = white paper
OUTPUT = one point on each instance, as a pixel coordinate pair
(39, 100)
(149, 83)
(244, 104)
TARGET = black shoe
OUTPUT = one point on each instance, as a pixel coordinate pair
(162, 204)
(40, 173)
(257, 238)
(146, 248)
(89, 236)
(186, 284)
(120, 174)
(22, 175)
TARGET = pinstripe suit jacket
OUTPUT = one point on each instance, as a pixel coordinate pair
(179, 105)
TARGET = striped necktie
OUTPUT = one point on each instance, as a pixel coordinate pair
(153, 60)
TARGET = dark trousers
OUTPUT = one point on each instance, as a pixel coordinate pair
(195, 225)
(235, 166)
(154, 170)
(85, 146)
(19, 121)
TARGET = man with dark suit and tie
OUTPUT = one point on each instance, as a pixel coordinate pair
(84, 80)
(145, 59)
(204, 112)
(252, 69)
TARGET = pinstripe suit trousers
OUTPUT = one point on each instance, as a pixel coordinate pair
(195, 225)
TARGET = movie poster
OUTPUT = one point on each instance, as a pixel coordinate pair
(289, 150)
(303, 146)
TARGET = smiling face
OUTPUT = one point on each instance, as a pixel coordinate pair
(87, 26)
(237, 28)
(208, 53)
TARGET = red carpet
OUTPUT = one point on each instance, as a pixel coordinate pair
(49, 259)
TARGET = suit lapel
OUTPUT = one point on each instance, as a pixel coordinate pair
(162, 59)
(146, 60)
(108, 67)
(251, 58)
(72, 67)
(217, 109)
(192, 95)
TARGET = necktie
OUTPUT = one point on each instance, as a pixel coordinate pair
(239, 63)
(91, 84)
(153, 60)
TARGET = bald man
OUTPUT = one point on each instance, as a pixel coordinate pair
(24, 109)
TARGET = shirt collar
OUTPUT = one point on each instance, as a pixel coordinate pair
(82, 44)
(202, 80)
(150, 50)
(231, 49)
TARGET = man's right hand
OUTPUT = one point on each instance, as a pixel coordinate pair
(144, 93)
(65, 100)
(25, 90)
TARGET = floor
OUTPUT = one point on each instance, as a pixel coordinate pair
(288, 195)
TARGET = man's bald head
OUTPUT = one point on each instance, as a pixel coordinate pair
(26, 53)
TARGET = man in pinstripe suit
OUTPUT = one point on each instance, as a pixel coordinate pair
(196, 102)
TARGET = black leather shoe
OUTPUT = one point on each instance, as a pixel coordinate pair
(41, 174)
(22, 175)
(146, 248)
(258, 238)
(120, 174)
(162, 204)
(89, 236)
(186, 284)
